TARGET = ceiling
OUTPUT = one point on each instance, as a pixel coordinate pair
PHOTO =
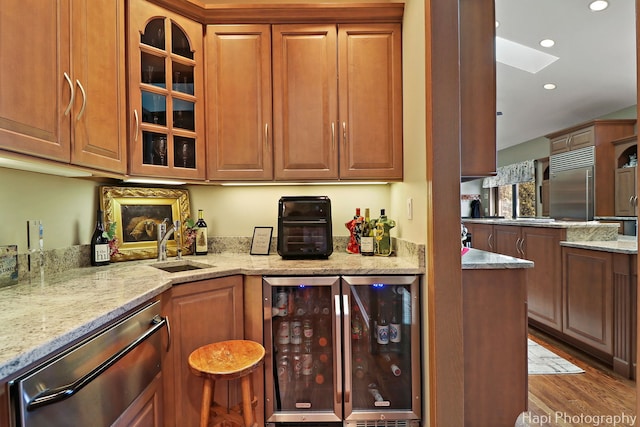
(595, 72)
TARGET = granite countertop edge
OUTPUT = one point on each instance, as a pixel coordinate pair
(476, 259)
(44, 314)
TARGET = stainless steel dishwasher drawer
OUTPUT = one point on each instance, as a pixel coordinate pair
(92, 383)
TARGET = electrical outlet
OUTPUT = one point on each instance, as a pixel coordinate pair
(409, 208)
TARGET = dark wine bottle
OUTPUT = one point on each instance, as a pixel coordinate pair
(202, 247)
(99, 243)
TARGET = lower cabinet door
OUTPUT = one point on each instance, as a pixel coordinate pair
(588, 298)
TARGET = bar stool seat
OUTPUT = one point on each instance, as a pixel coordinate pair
(227, 360)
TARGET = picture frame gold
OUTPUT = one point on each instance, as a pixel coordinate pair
(136, 213)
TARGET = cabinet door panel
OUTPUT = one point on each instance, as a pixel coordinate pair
(370, 93)
(239, 130)
(34, 47)
(203, 312)
(544, 280)
(166, 93)
(481, 236)
(625, 191)
(588, 301)
(508, 240)
(99, 113)
(305, 102)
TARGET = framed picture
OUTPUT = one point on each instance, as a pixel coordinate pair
(261, 242)
(135, 213)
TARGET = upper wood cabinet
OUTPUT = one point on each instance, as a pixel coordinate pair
(573, 140)
(35, 78)
(370, 101)
(305, 102)
(166, 94)
(63, 81)
(98, 116)
(239, 117)
(336, 93)
(478, 155)
(625, 169)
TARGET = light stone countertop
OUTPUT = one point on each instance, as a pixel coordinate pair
(576, 231)
(624, 245)
(43, 314)
(476, 259)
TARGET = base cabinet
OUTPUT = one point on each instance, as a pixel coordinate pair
(201, 313)
(146, 410)
(588, 298)
(495, 364)
(481, 236)
(544, 281)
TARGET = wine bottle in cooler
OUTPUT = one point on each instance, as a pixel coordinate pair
(395, 326)
(100, 254)
(202, 246)
(382, 327)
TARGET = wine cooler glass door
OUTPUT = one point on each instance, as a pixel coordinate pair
(303, 361)
(382, 348)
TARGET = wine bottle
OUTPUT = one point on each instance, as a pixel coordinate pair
(99, 243)
(354, 226)
(202, 247)
(383, 238)
(366, 239)
(395, 327)
(382, 326)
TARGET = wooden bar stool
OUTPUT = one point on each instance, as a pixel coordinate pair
(227, 360)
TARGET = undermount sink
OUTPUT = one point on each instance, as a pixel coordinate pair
(178, 266)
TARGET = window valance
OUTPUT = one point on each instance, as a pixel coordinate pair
(512, 174)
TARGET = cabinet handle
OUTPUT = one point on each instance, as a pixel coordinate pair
(630, 200)
(333, 135)
(521, 250)
(266, 135)
(72, 96)
(518, 245)
(84, 100)
(344, 134)
(489, 240)
(135, 115)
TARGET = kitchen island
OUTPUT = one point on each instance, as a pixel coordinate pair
(582, 289)
(494, 307)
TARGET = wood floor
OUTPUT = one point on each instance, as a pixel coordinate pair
(599, 397)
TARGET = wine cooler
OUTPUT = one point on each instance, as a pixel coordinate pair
(342, 351)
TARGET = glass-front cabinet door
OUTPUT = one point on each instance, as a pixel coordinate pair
(382, 348)
(166, 90)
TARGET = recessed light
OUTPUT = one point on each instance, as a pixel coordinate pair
(549, 86)
(547, 43)
(598, 5)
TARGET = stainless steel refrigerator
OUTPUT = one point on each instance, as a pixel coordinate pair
(571, 185)
(342, 350)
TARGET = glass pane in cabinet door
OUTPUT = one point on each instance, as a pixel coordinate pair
(154, 148)
(153, 70)
(183, 116)
(381, 346)
(154, 34)
(180, 43)
(303, 348)
(154, 108)
(182, 78)
(184, 152)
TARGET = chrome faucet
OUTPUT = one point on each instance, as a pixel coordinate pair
(163, 237)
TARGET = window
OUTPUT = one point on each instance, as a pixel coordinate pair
(516, 200)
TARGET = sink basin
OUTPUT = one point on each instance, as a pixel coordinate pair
(178, 266)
